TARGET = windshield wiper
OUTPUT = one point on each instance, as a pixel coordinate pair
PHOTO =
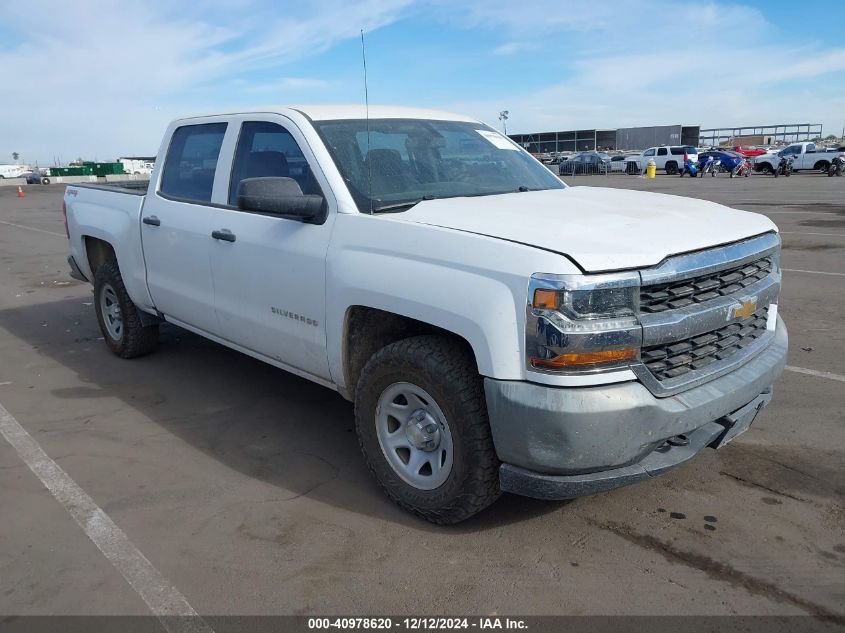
(400, 206)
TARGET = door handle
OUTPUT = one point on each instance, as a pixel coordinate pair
(223, 234)
(152, 221)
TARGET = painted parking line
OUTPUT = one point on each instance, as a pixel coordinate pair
(812, 272)
(813, 372)
(32, 228)
(163, 599)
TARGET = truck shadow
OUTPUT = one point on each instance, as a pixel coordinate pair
(258, 420)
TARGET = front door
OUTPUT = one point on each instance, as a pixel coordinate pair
(270, 276)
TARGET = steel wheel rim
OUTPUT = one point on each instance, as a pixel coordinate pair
(405, 414)
(110, 309)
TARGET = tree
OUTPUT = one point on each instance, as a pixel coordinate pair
(831, 137)
(15, 156)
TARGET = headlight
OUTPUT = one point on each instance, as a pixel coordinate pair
(582, 323)
(597, 303)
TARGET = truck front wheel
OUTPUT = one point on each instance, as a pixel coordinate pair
(118, 317)
(422, 425)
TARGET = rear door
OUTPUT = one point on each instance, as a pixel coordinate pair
(269, 281)
(176, 226)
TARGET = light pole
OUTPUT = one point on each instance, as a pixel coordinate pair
(503, 117)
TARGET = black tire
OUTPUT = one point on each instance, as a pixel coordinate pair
(821, 166)
(45, 181)
(135, 338)
(671, 168)
(446, 370)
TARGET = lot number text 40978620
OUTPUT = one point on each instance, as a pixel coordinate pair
(417, 624)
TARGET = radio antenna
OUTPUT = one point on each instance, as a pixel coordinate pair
(367, 114)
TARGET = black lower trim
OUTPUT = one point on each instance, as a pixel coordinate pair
(75, 273)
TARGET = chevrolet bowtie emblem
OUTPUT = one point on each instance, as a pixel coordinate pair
(745, 309)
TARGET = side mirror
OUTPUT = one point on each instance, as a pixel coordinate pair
(279, 196)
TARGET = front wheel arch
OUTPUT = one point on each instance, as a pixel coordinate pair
(367, 330)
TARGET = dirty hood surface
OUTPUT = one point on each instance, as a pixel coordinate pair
(601, 229)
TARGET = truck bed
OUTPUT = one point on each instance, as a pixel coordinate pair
(135, 187)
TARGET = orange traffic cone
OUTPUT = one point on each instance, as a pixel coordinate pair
(21, 194)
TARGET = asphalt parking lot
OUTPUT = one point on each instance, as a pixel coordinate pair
(243, 485)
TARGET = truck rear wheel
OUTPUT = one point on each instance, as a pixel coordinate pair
(118, 317)
(422, 425)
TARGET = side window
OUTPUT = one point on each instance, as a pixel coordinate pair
(268, 150)
(678, 151)
(649, 152)
(662, 151)
(191, 161)
(811, 147)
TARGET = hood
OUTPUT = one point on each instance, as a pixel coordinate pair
(600, 229)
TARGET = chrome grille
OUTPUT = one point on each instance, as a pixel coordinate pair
(681, 293)
(697, 352)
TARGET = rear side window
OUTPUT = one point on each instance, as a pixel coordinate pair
(678, 151)
(191, 161)
(661, 151)
(267, 149)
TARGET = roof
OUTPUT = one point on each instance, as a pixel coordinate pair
(359, 111)
(326, 112)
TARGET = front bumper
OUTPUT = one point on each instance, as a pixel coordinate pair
(569, 442)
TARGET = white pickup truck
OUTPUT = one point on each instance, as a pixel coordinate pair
(496, 329)
(804, 157)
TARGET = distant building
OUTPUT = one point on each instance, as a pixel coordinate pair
(631, 138)
(767, 134)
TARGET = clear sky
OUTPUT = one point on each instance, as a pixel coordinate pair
(102, 79)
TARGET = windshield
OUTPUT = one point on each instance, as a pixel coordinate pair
(399, 162)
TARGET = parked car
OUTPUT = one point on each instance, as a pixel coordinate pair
(668, 158)
(585, 163)
(496, 329)
(35, 178)
(618, 162)
(751, 152)
(804, 156)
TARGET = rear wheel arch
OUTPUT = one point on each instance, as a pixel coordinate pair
(821, 165)
(98, 252)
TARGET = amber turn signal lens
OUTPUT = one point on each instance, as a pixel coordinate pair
(546, 299)
(587, 358)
